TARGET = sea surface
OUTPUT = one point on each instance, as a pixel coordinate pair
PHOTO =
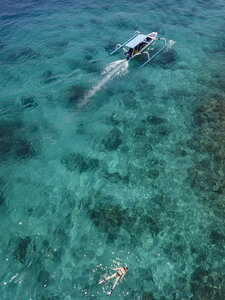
(105, 164)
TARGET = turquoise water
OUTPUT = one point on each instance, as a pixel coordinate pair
(105, 164)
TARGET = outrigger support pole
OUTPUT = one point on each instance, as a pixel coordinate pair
(121, 46)
(161, 49)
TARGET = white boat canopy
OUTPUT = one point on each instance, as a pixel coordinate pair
(137, 40)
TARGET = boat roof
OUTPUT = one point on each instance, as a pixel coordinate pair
(137, 40)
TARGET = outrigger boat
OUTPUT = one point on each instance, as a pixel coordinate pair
(138, 44)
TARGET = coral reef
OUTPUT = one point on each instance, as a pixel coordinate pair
(28, 102)
(109, 217)
(74, 95)
(114, 140)
(207, 284)
(80, 163)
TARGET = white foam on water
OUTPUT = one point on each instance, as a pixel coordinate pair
(114, 69)
(170, 44)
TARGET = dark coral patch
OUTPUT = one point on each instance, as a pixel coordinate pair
(113, 119)
(48, 77)
(6, 136)
(12, 140)
(154, 120)
(80, 163)
(88, 57)
(21, 249)
(58, 46)
(207, 175)
(153, 173)
(217, 238)
(24, 149)
(114, 140)
(2, 45)
(28, 102)
(21, 54)
(139, 132)
(2, 198)
(167, 59)
(206, 284)
(109, 217)
(148, 296)
(74, 95)
(43, 278)
(110, 46)
(116, 178)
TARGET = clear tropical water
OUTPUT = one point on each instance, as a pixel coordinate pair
(105, 164)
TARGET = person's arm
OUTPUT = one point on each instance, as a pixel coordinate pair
(122, 276)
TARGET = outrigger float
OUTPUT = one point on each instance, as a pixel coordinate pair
(138, 44)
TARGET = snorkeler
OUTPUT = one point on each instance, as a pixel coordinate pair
(119, 274)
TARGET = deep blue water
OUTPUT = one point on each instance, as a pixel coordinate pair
(105, 164)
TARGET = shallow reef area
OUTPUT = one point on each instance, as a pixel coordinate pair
(106, 164)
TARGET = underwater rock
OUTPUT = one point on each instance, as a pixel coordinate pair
(80, 163)
(21, 251)
(74, 95)
(28, 102)
(114, 140)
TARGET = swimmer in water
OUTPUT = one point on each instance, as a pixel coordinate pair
(119, 274)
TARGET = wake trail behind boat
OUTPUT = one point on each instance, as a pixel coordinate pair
(114, 69)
